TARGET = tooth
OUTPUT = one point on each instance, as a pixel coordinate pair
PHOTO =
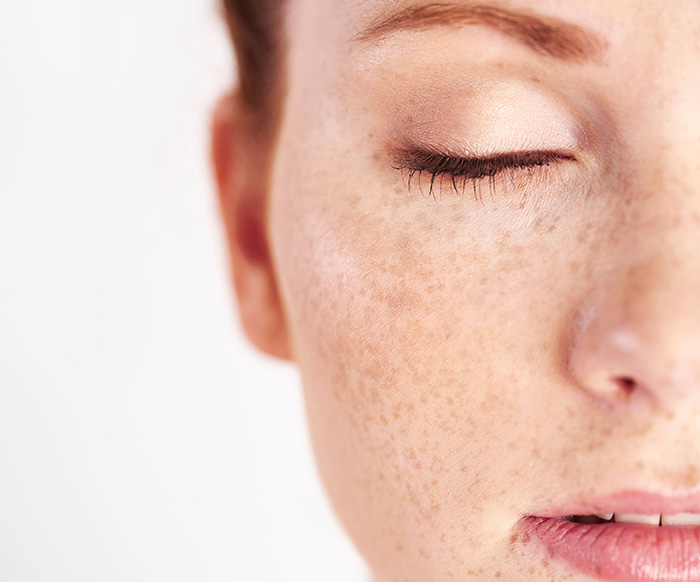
(605, 516)
(681, 519)
(638, 518)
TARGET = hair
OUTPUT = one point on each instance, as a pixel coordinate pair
(255, 27)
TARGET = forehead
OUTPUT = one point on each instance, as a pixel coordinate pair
(335, 24)
(327, 40)
(644, 43)
(345, 20)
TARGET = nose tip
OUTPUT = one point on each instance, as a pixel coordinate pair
(628, 353)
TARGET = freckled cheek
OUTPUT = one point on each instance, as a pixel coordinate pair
(387, 315)
(403, 421)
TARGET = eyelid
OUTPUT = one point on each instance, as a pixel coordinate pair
(472, 168)
(475, 166)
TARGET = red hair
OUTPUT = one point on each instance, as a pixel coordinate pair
(255, 27)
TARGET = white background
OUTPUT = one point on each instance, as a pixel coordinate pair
(140, 437)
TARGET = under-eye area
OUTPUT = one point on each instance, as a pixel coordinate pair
(434, 174)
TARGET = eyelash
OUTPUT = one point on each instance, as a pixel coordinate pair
(471, 170)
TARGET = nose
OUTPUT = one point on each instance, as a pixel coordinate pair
(642, 340)
(639, 338)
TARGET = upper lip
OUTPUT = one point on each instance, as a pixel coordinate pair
(640, 502)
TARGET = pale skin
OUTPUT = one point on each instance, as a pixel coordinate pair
(471, 352)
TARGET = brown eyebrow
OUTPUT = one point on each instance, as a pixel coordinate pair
(544, 34)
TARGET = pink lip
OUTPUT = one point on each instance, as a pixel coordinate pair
(623, 552)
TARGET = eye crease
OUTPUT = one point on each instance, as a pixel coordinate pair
(463, 171)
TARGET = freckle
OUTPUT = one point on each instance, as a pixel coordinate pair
(691, 475)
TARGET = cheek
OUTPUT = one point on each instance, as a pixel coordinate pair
(419, 350)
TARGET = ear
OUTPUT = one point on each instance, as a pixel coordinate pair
(241, 174)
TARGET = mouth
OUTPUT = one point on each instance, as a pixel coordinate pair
(625, 542)
(659, 519)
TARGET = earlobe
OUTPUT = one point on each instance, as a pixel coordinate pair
(242, 196)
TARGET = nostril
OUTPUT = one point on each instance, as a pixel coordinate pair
(626, 384)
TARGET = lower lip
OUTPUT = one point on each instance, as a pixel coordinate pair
(621, 552)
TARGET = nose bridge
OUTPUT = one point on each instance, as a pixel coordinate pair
(642, 334)
(658, 253)
(639, 333)
(671, 80)
(677, 112)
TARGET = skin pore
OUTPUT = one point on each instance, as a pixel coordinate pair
(481, 338)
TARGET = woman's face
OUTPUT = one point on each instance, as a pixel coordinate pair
(485, 227)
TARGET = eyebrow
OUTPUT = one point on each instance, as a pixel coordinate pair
(545, 35)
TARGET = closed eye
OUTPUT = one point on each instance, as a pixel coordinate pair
(464, 171)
